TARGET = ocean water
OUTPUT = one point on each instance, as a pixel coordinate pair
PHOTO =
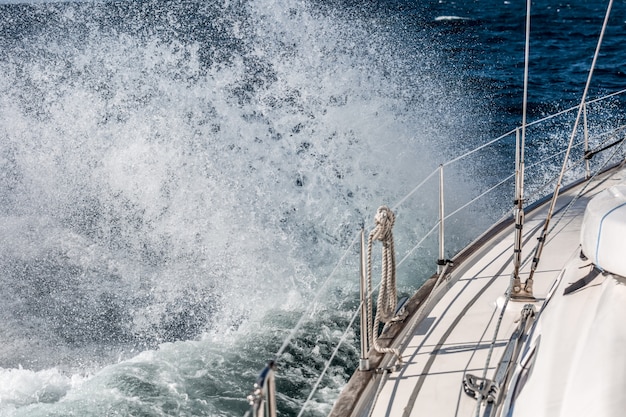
(181, 182)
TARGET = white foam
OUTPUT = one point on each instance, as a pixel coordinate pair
(20, 387)
(450, 18)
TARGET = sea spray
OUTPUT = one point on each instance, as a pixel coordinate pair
(179, 178)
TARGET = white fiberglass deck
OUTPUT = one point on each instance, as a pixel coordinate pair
(455, 337)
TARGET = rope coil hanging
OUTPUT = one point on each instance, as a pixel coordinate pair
(387, 295)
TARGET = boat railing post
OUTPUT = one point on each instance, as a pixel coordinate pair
(271, 393)
(586, 134)
(517, 251)
(441, 261)
(364, 362)
(263, 398)
(519, 291)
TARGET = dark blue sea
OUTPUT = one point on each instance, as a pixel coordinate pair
(182, 182)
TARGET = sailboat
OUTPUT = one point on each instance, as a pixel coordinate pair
(527, 320)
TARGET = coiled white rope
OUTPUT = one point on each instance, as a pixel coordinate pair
(387, 293)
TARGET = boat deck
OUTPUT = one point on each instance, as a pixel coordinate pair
(456, 334)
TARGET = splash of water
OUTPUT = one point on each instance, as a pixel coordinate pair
(176, 169)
